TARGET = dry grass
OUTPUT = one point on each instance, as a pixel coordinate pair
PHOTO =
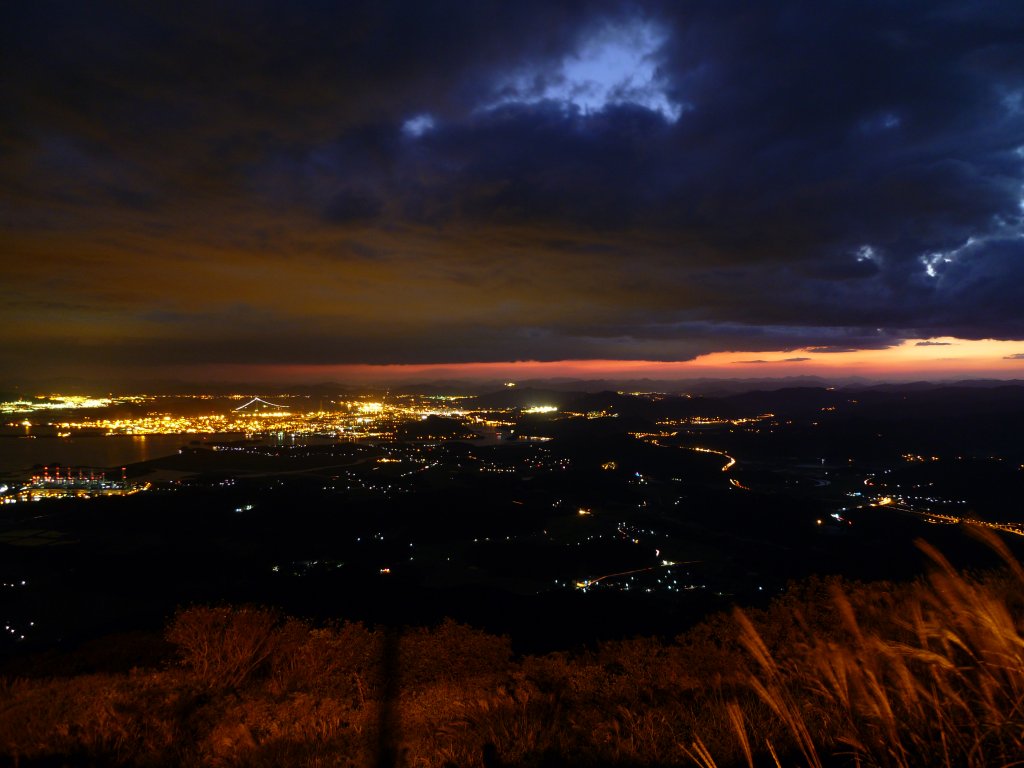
(934, 677)
(833, 674)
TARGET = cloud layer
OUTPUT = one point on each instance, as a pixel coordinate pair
(326, 183)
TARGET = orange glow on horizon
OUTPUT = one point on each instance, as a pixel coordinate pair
(914, 358)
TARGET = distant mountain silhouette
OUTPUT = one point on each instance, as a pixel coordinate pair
(435, 427)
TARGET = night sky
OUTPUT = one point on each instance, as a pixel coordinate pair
(309, 190)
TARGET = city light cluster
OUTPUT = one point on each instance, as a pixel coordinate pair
(54, 403)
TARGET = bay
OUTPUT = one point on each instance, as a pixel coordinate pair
(19, 454)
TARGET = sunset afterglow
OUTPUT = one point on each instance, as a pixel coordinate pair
(940, 358)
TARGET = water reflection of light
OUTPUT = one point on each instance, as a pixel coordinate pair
(140, 444)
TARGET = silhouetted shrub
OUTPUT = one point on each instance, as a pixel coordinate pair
(342, 660)
(116, 720)
(224, 646)
(450, 651)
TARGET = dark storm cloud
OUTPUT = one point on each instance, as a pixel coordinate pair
(352, 206)
(784, 360)
(446, 182)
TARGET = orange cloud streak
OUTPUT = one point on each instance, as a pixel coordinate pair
(913, 359)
